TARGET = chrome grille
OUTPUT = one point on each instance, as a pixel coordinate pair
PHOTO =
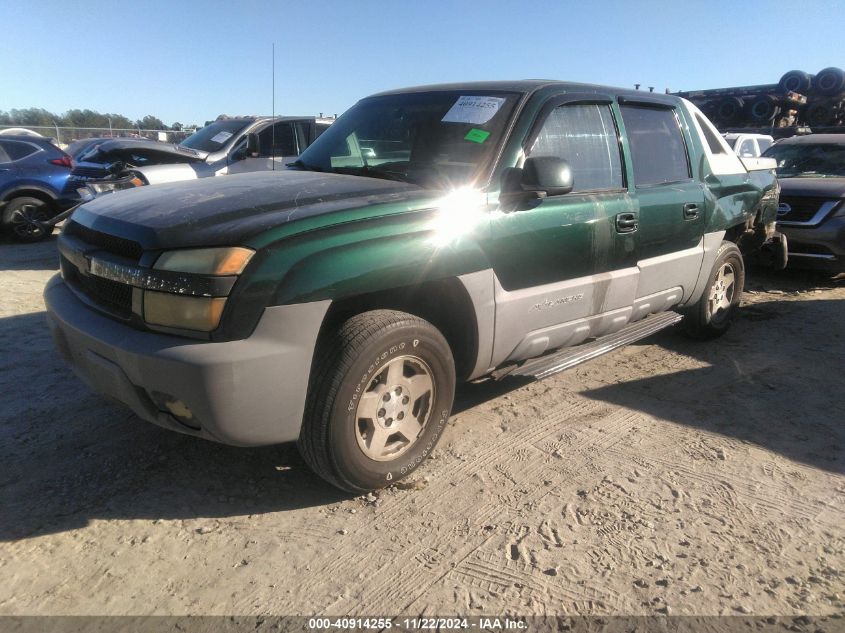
(800, 209)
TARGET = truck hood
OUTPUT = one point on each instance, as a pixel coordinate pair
(150, 153)
(813, 187)
(230, 210)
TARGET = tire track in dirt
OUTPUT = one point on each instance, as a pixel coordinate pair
(487, 574)
(738, 490)
(498, 452)
(534, 479)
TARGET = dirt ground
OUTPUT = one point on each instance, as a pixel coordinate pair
(669, 477)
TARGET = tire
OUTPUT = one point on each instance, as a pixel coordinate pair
(729, 109)
(829, 81)
(711, 316)
(795, 81)
(820, 113)
(762, 109)
(356, 441)
(22, 216)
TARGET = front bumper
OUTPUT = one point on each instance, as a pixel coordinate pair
(820, 246)
(245, 393)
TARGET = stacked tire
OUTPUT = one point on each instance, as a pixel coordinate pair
(799, 98)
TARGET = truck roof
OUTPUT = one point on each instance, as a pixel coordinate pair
(831, 139)
(532, 85)
(279, 117)
(733, 135)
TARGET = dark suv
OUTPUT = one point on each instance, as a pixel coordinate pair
(33, 185)
(811, 171)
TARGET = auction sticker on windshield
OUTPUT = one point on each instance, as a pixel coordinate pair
(221, 137)
(477, 136)
(477, 110)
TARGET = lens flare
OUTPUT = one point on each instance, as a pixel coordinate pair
(458, 213)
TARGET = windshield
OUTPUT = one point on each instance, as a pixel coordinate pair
(213, 137)
(436, 139)
(808, 160)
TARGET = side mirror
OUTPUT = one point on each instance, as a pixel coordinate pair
(541, 176)
(547, 174)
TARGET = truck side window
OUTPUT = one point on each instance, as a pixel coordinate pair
(746, 149)
(709, 136)
(284, 138)
(657, 146)
(585, 136)
(764, 144)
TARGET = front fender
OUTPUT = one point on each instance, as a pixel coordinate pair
(353, 258)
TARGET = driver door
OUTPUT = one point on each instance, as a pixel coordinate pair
(567, 265)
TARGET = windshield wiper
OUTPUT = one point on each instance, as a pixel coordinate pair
(300, 165)
(369, 172)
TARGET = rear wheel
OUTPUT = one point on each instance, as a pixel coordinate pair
(711, 316)
(381, 393)
(25, 217)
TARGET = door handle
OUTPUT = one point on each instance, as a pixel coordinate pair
(626, 222)
(690, 211)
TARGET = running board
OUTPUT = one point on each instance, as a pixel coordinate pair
(555, 362)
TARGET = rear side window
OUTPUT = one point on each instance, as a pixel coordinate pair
(712, 140)
(657, 145)
(321, 127)
(585, 136)
(277, 140)
(15, 150)
(764, 144)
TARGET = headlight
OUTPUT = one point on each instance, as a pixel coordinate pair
(206, 261)
(218, 267)
(185, 313)
(108, 186)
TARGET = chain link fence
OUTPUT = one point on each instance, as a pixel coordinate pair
(64, 135)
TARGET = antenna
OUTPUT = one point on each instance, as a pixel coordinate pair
(273, 113)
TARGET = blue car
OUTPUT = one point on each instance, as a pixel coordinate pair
(34, 186)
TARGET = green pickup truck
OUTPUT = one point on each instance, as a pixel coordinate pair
(431, 235)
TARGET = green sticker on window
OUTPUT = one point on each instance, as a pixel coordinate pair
(477, 136)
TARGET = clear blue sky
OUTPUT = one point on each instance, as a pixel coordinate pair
(190, 61)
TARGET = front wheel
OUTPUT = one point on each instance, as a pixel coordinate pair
(711, 316)
(26, 218)
(380, 395)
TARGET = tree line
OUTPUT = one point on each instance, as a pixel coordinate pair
(39, 117)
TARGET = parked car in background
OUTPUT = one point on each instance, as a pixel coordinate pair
(227, 146)
(431, 235)
(80, 147)
(811, 213)
(34, 176)
(109, 158)
(749, 145)
(19, 131)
